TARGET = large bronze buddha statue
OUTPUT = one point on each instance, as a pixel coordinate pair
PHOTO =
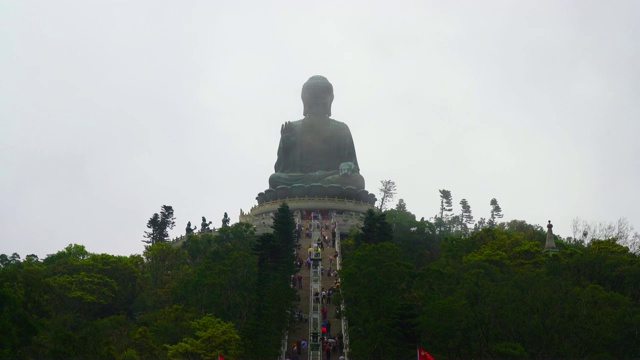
(316, 149)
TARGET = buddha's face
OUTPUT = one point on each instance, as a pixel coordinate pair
(317, 96)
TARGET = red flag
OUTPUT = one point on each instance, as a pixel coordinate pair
(423, 355)
(220, 357)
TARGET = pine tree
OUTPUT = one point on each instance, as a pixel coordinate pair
(446, 205)
(375, 229)
(155, 235)
(275, 260)
(160, 224)
(167, 220)
(496, 212)
(466, 218)
(284, 229)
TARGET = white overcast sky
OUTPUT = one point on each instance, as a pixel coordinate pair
(110, 109)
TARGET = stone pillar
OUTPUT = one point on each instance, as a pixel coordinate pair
(550, 244)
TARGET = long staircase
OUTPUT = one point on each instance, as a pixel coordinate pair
(310, 325)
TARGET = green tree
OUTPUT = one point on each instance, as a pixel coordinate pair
(446, 207)
(480, 224)
(401, 205)
(23, 309)
(275, 266)
(156, 235)
(73, 253)
(213, 338)
(159, 225)
(165, 267)
(465, 216)
(496, 212)
(224, 270)
(417, 240)
(380, 321)
(375, 229)
(387, 193)
(9, 261)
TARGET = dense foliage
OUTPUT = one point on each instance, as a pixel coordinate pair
(489, 294)
(485, 291)
(208, 296)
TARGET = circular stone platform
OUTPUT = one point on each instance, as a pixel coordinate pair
(299, 191)
(348, 213)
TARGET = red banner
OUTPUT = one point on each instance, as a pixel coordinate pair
(423, 355)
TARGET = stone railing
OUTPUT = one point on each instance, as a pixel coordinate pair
(345, 323)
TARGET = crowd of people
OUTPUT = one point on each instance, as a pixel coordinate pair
(324, 225)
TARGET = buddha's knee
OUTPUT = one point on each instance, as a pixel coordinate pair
(355, 180)
(276, 179)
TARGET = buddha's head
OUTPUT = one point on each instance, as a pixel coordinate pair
(317, 96)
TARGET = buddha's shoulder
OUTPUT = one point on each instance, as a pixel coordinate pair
(332, 123)
(338, 123)
(296, 122)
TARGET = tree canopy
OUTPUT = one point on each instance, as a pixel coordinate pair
(487, 292)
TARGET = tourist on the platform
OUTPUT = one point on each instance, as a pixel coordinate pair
(332, 341)
(327, 351)
(324, 295)
(309, 263)
(328, 328)
(329, 272)
(330, 260)
(299, 281)
(304, 344)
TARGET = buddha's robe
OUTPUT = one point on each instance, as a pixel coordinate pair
(311, 151)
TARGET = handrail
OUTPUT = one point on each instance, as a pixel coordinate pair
(345, 324)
